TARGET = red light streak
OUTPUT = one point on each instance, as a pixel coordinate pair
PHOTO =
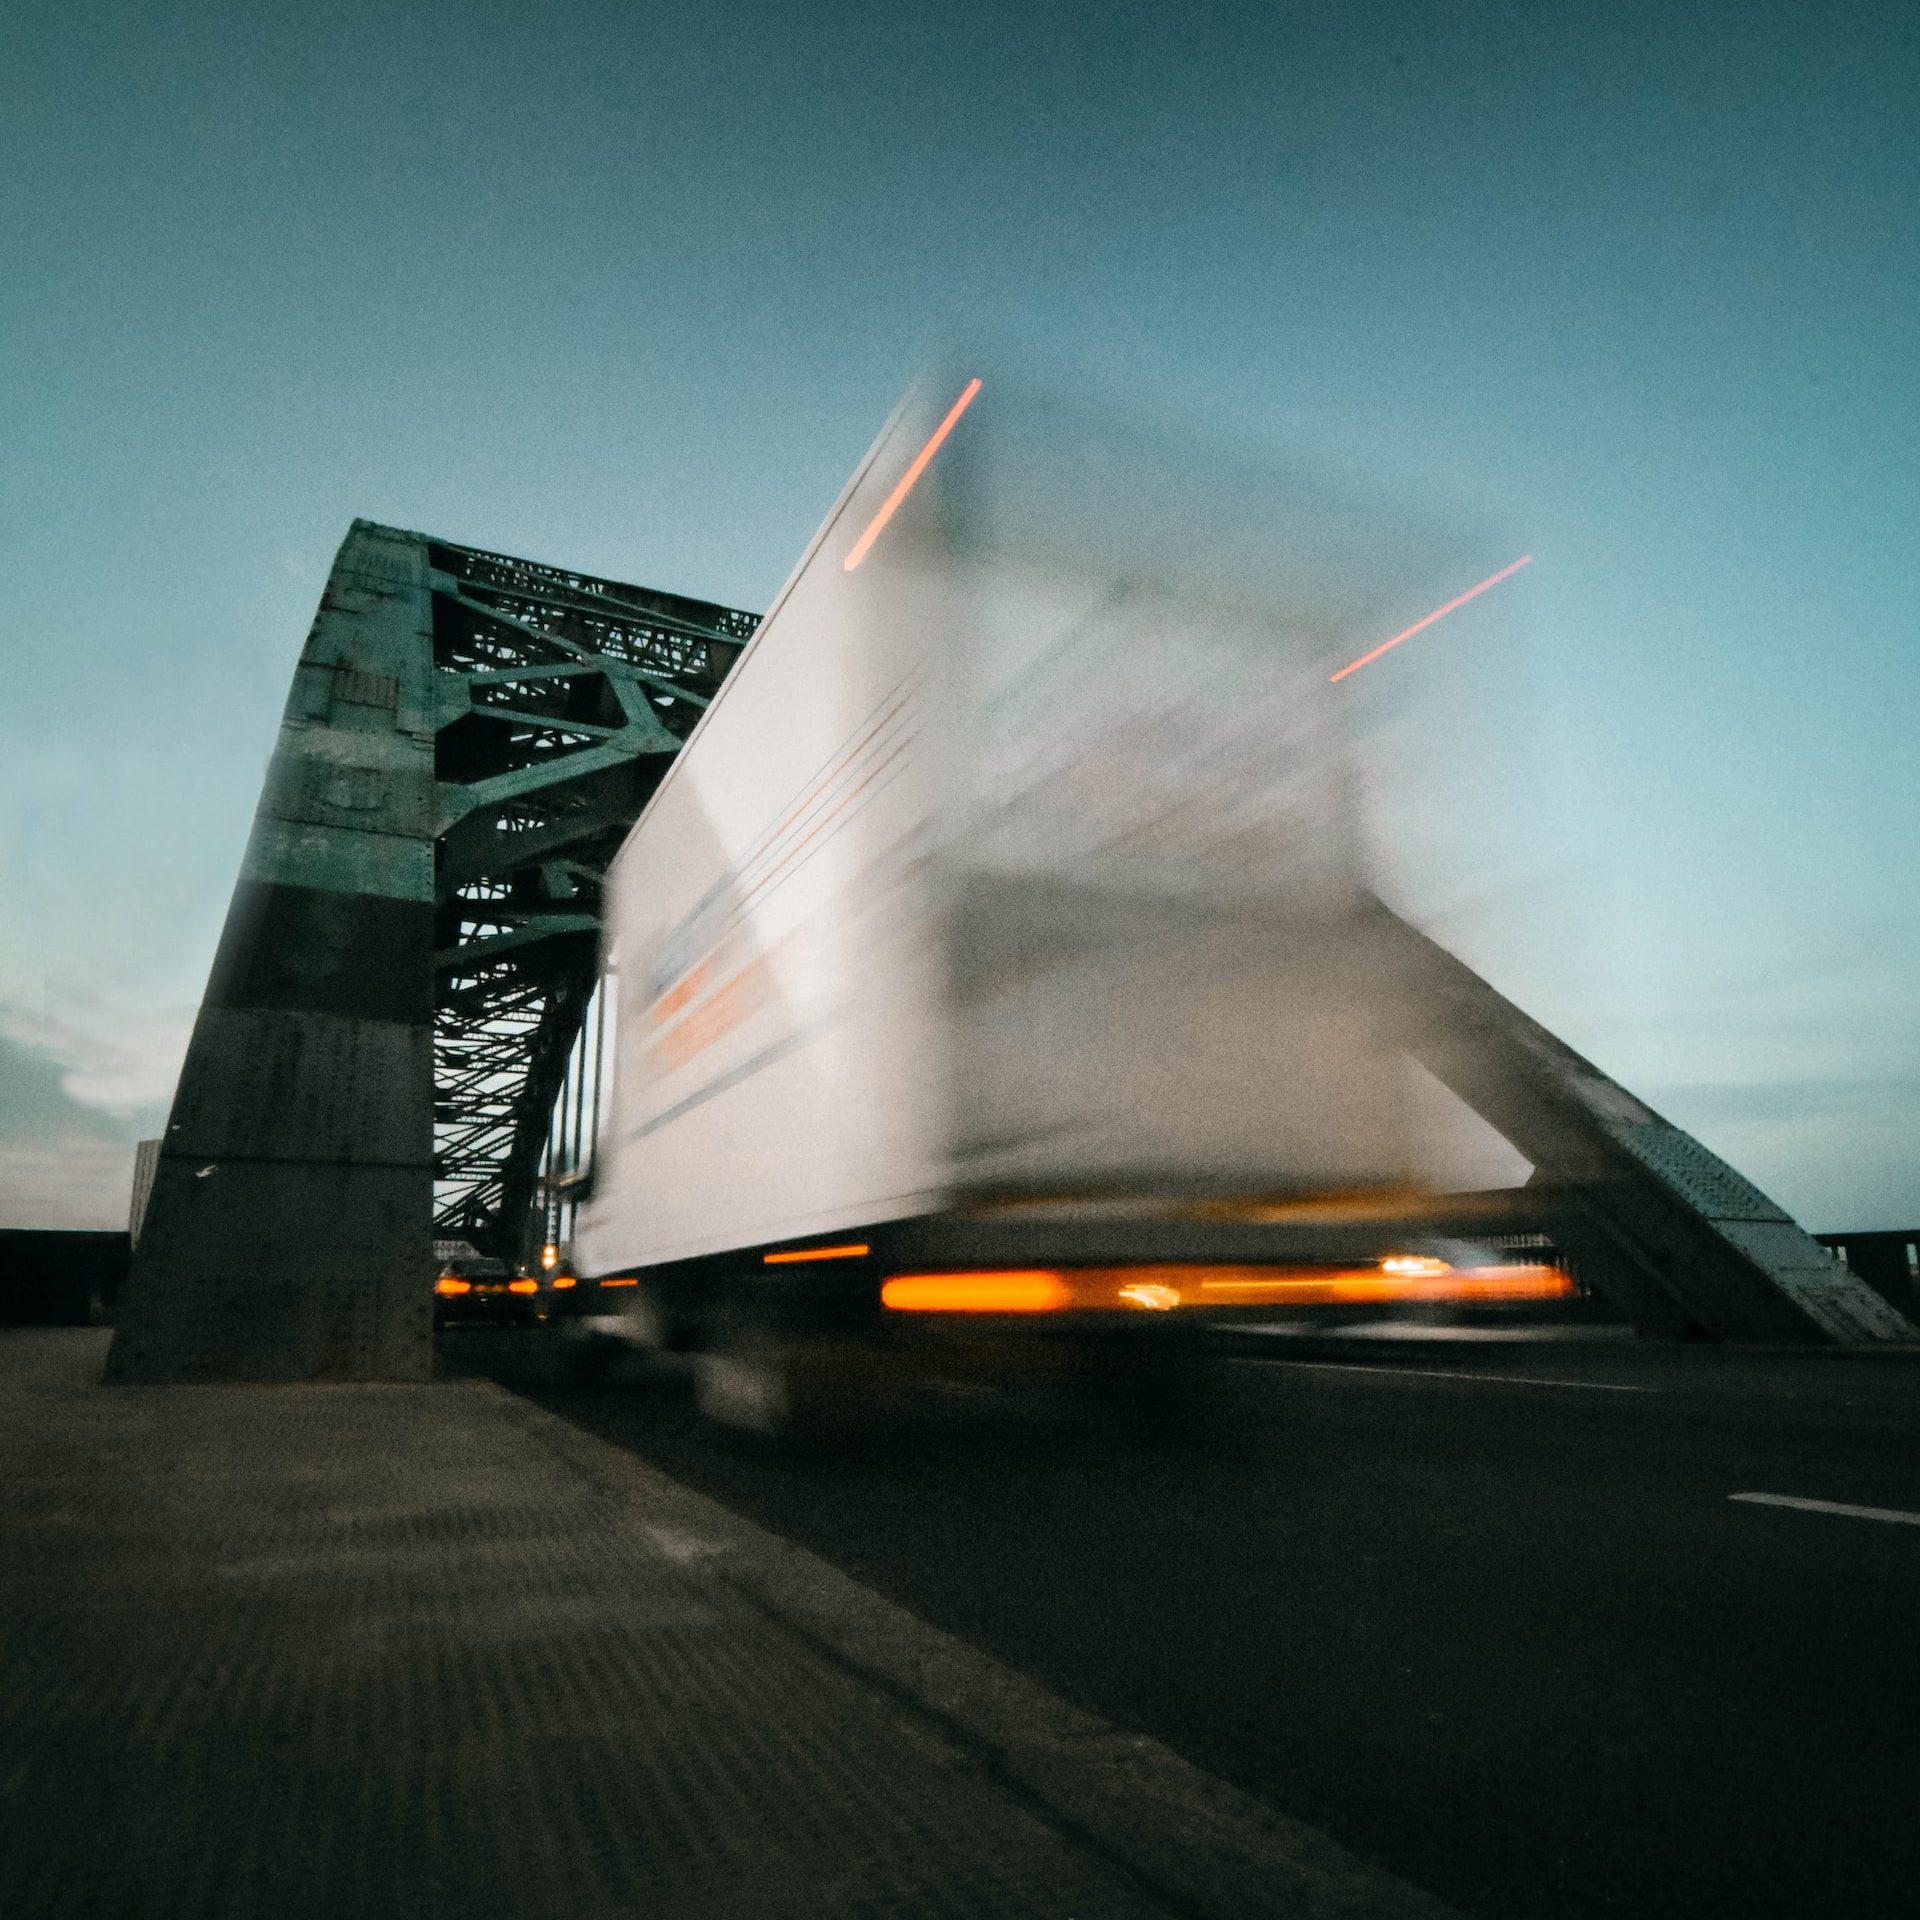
(890, 505)
(1439, 613)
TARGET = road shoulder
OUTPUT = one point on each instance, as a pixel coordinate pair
(1198, 1842)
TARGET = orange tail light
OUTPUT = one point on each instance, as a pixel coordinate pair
(1162, 1288)
(1031, 1291)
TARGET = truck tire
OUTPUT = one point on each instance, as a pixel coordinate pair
(790, 1389)
(744, 1380)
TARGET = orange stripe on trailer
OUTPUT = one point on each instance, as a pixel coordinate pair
(793, 1255)
(687, 987)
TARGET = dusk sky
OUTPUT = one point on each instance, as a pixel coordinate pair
(1633, 288)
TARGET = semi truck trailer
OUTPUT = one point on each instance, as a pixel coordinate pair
(987, 979)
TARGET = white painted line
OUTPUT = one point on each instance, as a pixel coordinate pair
(1896, 1516)
(1438, 1373)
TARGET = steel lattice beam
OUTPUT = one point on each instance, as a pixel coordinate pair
(561, 700)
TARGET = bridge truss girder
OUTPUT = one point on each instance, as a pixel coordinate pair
(409, 954)
(562, 699)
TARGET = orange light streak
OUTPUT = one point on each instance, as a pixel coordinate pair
(1340, 1288)
(1017, 1292)
(1051, 1290)
(849, 1252)
(891, 504)
(604, 1284)
(1439, 613)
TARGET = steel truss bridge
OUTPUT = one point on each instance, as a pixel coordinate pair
(410, 958)
(395, 1042)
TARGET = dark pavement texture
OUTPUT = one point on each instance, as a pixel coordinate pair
(1505, 1634)
(321, 1651)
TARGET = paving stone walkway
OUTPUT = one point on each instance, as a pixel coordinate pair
(287, 1651)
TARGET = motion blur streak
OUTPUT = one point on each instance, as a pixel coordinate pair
(1014, 1292)
(1333, 1287)
(890, 505)
(1049, 1290)
(1439, 613)
(855, 1251)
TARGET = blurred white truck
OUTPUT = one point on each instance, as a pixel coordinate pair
(982, 975)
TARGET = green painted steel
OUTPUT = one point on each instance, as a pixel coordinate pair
(562, 699)
(286, 1233)
(410, 949)
(1684, 1244)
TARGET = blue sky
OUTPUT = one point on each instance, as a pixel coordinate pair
(631, 287)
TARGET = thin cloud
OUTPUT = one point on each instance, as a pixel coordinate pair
(63, 1161)
(111, 1059)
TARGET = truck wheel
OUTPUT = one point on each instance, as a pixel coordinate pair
(789, 1389)
(744, 1381)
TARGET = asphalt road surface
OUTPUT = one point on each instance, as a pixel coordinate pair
(1491, 1615)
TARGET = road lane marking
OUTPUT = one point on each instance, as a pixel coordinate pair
(1437, 1373)
(1897, 1516)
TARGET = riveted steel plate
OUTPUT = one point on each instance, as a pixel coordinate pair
(268, 1270)
(285, 1085)
(300, 853)
(364, 687)
(330, 784)
(1817, 1282)
(1700, 1177)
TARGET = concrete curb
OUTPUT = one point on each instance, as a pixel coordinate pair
(1201, 1845)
